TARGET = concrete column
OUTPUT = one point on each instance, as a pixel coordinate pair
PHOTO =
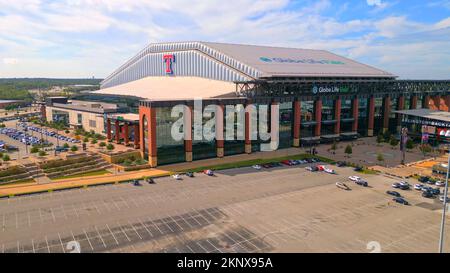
(108, 129)
(355, 112)
(413, 104)
(371, 118)
(446, 103)
(126, 134)
(274, 125)
(117, 131)
(152, 148)
(297, 120)
(386, 113)
(400, 106)
(435, 102)
(188, 133)
(248, 141)
(219, 131)
(318, 117)
(136, 136)
(426, 101)
(337, 116)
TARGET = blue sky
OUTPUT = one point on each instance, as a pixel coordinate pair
(85, 38)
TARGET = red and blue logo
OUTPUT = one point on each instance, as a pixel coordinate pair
(169, 59)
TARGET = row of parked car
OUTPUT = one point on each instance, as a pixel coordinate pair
(285, 163)
(22, 136)
(47, 133)
(427, 191)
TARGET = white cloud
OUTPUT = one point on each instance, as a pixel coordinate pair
(10, 61)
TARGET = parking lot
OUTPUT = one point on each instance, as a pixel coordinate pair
(283, 209)
(22, 150)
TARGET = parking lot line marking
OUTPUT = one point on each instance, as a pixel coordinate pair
(96, 208)
(75, 209)
(4, 223)
(134, 228)
(18, 247)
(32, 243)
(53, 215)
(96, 229)
(89, 241)
(3, 248)
(17, 222)
(126, 203)
(60, 241)
(46, 242)
(40, 216)
(64, 211)
(115, 239)
(119, 226)
(182, 229)
(140, 220)
(153, 223)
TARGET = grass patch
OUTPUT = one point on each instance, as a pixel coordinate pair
(24, 181)
(368, 171)
(259, 161)
(100, 172)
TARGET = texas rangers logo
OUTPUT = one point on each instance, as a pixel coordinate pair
(169, 59)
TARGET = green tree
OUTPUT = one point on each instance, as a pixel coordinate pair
(410, 144)
(334, 146)
(387, 135)
(42, 153)
(102, 144)
(393, 142)
(74, 148)
(6, 158)
(110, 147)
(93, 141)
(380, 157)
(86, 139)
(380, 138)
(348, 150)
(2, 125)
(66, 145)
(34, 150)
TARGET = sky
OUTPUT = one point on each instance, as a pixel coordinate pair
(91, 38)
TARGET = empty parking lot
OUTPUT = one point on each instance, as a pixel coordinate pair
(281, 209)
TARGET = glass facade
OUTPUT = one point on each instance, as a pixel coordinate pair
(420, 100)
(236, 146)
(286, 124)
(203, 148)
(168, 149)
(378, 116)
(308, 123)
(363, 116)
(346, 115)
(392, 116)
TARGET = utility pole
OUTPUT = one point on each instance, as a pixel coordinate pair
(403, 140)
(441, 239)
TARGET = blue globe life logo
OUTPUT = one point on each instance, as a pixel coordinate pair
(315, 90)
(265, 59)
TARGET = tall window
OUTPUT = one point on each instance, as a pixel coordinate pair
(145, 138)
(80, 118)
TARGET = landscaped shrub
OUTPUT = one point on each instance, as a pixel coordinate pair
(74, 148)
(42, 153)
(34, 150)
(14, 170)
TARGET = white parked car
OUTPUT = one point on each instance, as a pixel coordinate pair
(257, 167)
(418, 187)
(328, 170)
(354, 178)
(404, 183)
(441, 198)
(176, 177)
(440, 183)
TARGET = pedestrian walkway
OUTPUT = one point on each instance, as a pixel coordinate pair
(9, 190)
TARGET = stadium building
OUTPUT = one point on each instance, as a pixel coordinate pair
(322, 97)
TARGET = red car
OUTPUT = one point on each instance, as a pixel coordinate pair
(286, 162)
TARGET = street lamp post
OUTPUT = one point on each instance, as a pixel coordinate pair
(441, 239)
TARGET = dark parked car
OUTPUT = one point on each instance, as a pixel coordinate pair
(150, 180)
(423, 179)
(436, 191)
(362, 183)
(358, 169)
(136, 182)
(190, 174)
(427, 194)
(341, 164)
(394, 193)
(400, 200)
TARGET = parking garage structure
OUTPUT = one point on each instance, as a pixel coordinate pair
(322, 97)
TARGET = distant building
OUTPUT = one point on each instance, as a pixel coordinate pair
(87, 115)
(5, 103)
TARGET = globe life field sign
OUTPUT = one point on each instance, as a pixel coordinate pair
(327, 89)
(298, 61)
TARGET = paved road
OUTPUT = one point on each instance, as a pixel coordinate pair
(244, 210)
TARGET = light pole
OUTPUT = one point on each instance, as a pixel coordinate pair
(441, 239)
